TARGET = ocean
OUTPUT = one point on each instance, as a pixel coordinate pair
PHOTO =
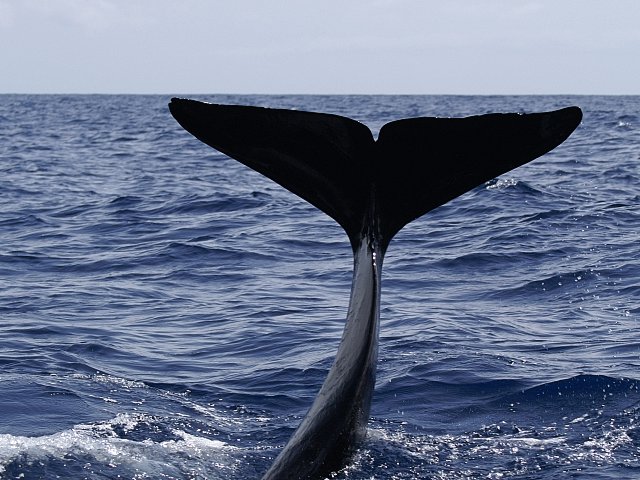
(167, 313)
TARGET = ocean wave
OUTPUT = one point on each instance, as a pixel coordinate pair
(158, 298)
(130, 446)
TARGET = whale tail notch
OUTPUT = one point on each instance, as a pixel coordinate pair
(334, 163)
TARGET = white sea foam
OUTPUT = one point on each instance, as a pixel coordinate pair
(501, 184)
(100, 444)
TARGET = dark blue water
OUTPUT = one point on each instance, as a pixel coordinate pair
(169, 314)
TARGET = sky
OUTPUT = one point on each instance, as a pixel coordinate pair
(320, 46)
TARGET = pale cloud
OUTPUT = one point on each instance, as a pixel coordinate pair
(333, 46)
(6, 13)
(86, 15)
(89, 15)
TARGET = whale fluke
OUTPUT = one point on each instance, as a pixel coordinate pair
(333, 162)
(372, 188)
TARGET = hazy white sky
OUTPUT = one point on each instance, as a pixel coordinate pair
(327, 46)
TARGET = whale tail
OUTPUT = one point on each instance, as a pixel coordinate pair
(372, 189)
(334, 163)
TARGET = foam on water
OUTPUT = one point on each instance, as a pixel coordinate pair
(97, 449)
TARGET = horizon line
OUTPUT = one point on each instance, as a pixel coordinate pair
(337, 94)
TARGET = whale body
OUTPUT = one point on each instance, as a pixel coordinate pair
(372, 188)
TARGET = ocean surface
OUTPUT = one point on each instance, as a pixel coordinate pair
(167, 313)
